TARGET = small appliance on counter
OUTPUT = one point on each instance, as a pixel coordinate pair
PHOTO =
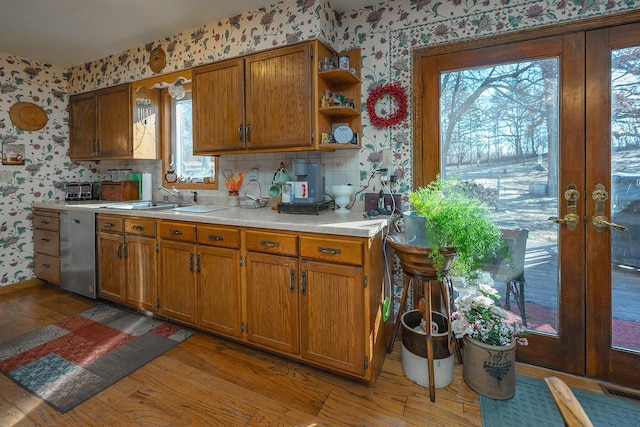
(81, 191)
(307, 188)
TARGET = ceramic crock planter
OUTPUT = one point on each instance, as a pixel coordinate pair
(488, 369)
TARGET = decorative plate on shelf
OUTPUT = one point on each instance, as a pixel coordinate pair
(157, 59)
(343, 134)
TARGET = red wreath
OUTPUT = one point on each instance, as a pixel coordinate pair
(395, 91)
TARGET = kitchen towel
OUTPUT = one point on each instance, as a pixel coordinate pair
(147, 186)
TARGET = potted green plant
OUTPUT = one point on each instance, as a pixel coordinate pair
(455, 217)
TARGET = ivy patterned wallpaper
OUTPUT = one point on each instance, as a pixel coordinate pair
(387, 34)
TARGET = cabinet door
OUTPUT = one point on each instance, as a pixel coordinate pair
(218, 107)
(278, 98)
(332, 315)
(82, 126)
(272, 302)
(178, 283)
(111, 277)
(114, 122)
(141, 271)
(218, 279)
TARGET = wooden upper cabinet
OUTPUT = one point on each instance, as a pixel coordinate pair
(218, 106)
(261, 102)
(114, 122)
(278, 98)
(82, 126)
(101, 124)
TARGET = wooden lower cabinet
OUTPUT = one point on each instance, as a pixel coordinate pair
(332, 315)
(46, 245)
(127, 260)
(111, 270)
(142, 272)
(272, 301)
(178, 284)
(200, 282)
(218, 287)
(311, 297)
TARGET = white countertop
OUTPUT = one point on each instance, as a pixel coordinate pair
(353, 223)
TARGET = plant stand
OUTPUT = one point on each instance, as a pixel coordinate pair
(418, 269)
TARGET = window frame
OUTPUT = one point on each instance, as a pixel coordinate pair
(166, 131)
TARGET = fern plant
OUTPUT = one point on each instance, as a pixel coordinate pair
(454, 217)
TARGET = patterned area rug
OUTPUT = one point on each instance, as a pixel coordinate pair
(533, 405)
(72, 360)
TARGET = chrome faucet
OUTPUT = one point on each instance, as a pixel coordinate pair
(174, 192)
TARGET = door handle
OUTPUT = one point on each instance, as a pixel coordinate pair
(599, 219)
(292, 280)
(571, 219)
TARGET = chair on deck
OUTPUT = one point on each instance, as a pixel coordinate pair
(508, 266)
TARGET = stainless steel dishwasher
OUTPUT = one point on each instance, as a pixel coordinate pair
(78, 252)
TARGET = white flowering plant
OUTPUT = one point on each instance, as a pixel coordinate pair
(478, 317)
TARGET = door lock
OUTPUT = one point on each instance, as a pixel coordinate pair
(571, 219)
(599, 219)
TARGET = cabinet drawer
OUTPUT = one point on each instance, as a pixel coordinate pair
(181, 231)
(110, 223)
(144, 227)
(341, 251)
(272, 243)
(218, 236)
(46, 242)
(46, 221)
(47, 267)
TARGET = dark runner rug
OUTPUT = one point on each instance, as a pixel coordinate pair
(533, 405)
(72, 360)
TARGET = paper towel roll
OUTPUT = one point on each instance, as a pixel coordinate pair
(147, 186)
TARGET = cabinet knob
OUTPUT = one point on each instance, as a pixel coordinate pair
(216, 237)
(175, 232)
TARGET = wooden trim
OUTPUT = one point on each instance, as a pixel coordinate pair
(533, 33)
(29, 283)
(426, 58)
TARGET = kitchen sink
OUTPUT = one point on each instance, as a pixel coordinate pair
(139, 206)
(198, 208)
(176, 207)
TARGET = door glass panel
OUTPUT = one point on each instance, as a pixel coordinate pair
(625, 197)
(499, 130)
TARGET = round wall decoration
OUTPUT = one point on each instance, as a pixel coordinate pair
(394, 91)
(157, 59)
(28, 116)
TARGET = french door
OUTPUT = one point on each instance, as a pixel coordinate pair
(549, 129)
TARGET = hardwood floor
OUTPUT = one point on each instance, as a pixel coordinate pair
(208, 381)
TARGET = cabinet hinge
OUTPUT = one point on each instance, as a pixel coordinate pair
(243, 327)
(311, 52)
(241, 261)
(366, 362)
(158, 304)
(364, 282)
(313, 136)
(157, 247)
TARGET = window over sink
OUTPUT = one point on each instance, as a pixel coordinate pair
(180, 167)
